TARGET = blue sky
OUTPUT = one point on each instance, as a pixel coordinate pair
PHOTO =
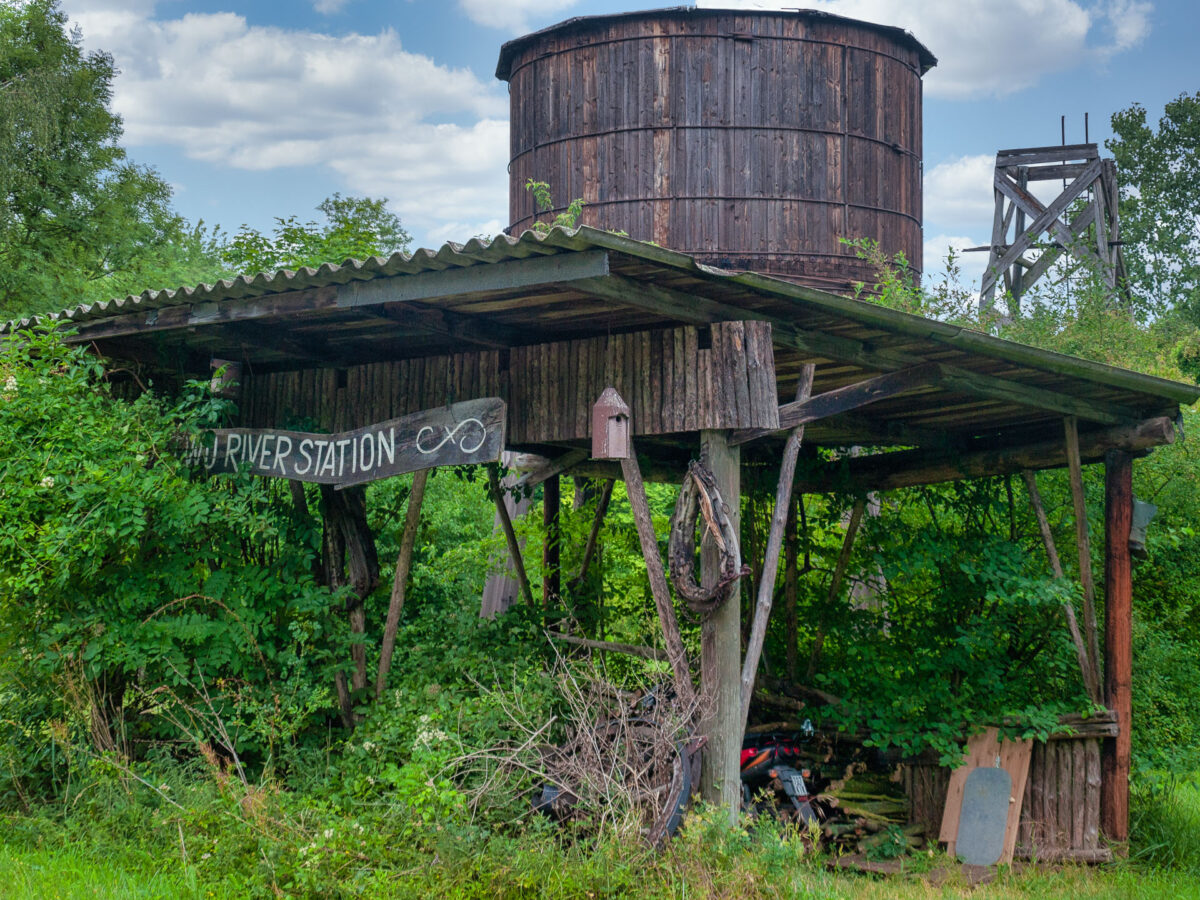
(253, 110)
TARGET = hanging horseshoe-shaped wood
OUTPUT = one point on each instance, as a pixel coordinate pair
(699, 497)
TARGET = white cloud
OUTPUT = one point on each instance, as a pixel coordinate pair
(513, 16)
(971, 265)
(1129, 22)
(329, 7)
(431, 138)
(988, 48)
(958, 192)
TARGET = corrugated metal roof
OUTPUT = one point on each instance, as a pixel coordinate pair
(654, 264)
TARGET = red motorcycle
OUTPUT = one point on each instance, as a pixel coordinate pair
(775, 777)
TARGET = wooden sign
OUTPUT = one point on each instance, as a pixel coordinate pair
(462, 433)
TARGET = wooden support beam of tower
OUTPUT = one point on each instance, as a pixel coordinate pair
(1091, 237)
(1118, 644)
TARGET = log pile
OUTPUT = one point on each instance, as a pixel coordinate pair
(867, 813)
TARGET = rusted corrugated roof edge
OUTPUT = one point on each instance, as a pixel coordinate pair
(505, 247)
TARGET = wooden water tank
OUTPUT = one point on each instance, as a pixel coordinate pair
(752, 140)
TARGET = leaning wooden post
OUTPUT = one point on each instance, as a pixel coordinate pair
(1118, 643)
(611, 439)
(552, 547)
(412, 517)
(766, 583)
(514, 546)
(721, 643)
(1092, 635)
(1091, 679)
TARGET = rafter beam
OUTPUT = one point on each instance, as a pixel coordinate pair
(514, 275)
(909, 468)
(844, 399)
(682, 307)
(460, 327)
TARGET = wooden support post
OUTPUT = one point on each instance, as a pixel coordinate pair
(1118, 643)
(791, 573)
(412, 516)
(1091, 678)
(1091, 630)
(514, 546)
(770, 566)
(593, 539)
(551, 549)
(635, 488)
(835, 583)
(348, 557)
(720, 644)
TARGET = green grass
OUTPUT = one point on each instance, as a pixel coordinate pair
(67, 873)
(139, 851)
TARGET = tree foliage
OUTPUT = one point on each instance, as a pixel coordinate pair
(78, 220)
(1159, 174)
(354, 228)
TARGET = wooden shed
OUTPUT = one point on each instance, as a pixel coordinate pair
(701, 356)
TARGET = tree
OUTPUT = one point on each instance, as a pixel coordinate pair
(78, 220)
(1159, 173)
(355, 228)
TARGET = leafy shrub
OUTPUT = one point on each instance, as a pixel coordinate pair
(138, 601)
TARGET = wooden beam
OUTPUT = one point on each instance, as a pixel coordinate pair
(682, 307)
(635, 491)
(412, 516)
(514, 275)
(843, 399)
(469, 329)
(1046, 218)
(886, 431)
(551, 469)
(1038, 398)
(510, 536)
(1118, 644)
(279, 340)
(1078, 226)
(909, 468)
(638, 650)
(186, 315)
(721, 645)
(1083, 542)
(770, 566)
(1054, 173)
(1091, 680)
(1024, 156)
(552, 543)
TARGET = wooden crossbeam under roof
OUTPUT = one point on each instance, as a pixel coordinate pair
(568, 285)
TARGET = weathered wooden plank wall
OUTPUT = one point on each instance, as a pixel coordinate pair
(671, 381)
(342, 399)
(1060, 815)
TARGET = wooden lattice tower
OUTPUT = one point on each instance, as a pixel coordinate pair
(1091, 236)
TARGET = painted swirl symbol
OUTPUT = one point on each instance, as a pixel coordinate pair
(450, 437)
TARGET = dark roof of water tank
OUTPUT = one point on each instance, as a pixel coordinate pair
(511, 48)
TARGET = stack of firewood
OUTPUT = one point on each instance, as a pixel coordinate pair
(866, 813)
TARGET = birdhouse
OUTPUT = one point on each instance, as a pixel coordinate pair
(610, 427)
